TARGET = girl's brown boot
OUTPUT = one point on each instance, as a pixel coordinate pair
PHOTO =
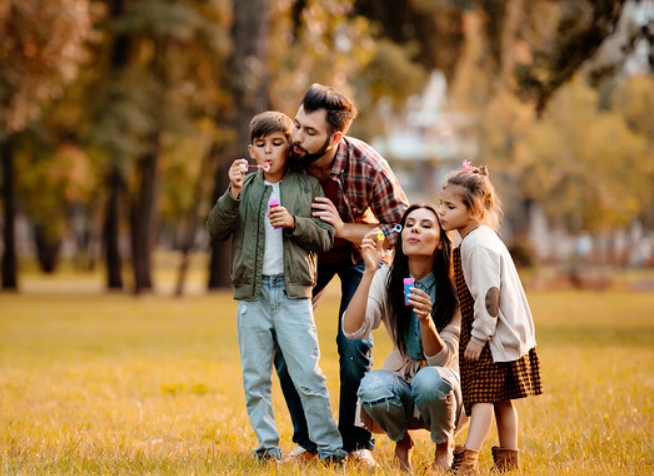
(465, 461)
(505, 459)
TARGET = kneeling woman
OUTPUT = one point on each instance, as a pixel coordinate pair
(418, 386)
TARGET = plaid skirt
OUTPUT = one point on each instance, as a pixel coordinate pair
(486, 381)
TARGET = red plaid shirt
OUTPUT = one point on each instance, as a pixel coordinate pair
(368, 190)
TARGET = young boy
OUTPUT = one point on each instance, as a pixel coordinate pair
(273, 272)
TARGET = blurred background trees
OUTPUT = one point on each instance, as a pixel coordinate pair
(37, 63)
(118, 118)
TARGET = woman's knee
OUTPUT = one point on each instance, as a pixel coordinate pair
(430, 384)
(376, 386)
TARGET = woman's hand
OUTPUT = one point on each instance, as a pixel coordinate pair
(372, 249)
(421, 303)
(431, 340)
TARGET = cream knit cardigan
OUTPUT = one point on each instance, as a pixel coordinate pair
(487, 268)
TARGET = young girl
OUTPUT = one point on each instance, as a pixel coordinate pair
(498, 345)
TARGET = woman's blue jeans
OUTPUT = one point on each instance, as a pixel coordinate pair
(435, 393)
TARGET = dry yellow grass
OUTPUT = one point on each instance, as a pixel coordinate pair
(94, 383)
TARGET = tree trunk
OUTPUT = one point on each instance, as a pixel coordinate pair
(119, 60)
(191, 222)
(249, 83)
(85, 236)
(142, 222)
(221, 251)
(249, 86)
(47, 249)
(9, 260)
(111, 230)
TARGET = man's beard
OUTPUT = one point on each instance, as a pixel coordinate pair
(308, 158)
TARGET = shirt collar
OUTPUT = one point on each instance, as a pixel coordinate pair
(427, 282)
(340, 159)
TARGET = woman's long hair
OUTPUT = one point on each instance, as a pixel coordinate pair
(446, 300)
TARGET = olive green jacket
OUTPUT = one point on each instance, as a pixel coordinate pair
(243, 218)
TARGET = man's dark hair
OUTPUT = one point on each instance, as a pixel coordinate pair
(340, 109)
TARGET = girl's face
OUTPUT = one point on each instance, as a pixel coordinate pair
(271, 150)
(452, 212)
(421, 235)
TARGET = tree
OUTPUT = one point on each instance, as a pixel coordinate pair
(248, 83)
(534, 47)
(634, 101)
(154, 90)
(582, 28)
(429, 33)
(57, 178)
(583, 164)
(35, 61)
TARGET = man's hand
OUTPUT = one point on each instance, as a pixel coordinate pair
(325, 209)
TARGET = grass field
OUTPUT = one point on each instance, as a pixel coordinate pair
(95, 383)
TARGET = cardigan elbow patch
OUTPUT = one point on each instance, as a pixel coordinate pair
(493, 301)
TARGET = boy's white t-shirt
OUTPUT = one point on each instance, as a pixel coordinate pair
(273, 251)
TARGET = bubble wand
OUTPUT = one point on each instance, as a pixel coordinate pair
(408, 282)
(397, 229)
(245, 166)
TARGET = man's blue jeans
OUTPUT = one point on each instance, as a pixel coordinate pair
(355, 362)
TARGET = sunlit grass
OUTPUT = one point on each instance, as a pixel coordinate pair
(92, 383)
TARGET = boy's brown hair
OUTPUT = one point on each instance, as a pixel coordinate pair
(268, 122)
